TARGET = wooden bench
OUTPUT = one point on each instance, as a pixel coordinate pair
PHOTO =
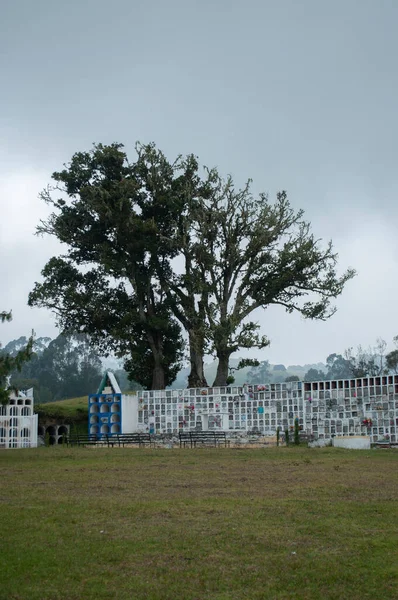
(133, 438)
(85, 440)
(213, 438)
(185, 438)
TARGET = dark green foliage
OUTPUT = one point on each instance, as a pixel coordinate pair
(253, 253)
(115, 228)
(259, 374)
(278, 435)
(365, 363)
(12, 362)
(125, 224)
(338, 367)
(67, 367)
(292, 378)
(314, 375)
(392, 361)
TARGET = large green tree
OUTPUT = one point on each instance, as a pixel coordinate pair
(11, 362)
(253, 254)
(176, 243)
(106, 285)
(179, 186)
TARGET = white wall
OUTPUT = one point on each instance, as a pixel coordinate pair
(354, 442)
(129, 414)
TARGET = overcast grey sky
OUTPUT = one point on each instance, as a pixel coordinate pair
(299, 96)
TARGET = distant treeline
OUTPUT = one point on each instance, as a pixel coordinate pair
(68, 367)
(65, 367)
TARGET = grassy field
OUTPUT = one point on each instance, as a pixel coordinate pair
(276, 523)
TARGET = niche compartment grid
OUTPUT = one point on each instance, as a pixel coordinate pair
(324, 408)
(105, 414)
(105, 408)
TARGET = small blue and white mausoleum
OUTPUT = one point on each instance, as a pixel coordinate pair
(111, 412)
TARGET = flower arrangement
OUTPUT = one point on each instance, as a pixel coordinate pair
(367, 422)
(204, 392)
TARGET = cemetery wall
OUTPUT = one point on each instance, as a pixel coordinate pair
(324, 409)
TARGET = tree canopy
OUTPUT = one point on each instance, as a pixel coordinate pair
(155, 246)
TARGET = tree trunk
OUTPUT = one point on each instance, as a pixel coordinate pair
(222, 369)
(158, 379)
(158, 374)
(196, 377)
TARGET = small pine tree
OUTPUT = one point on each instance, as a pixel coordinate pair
(296, 432)
(287, 437)
(278, 435)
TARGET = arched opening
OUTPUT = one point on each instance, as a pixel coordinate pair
(94, 429)
(104, 408)
(13, 443)
(115, 407)
(94, 408)
(14, 411)
(25, 432)
(52, 440)
(62, 430)
(104, 428)
(51, 430)
(102, 399)
(25, 411)
(14, 422)
(94, 419)
(3, 411)
(115, 419)
(115, 428)
(62, 439)
(20, 402)
(41, 430)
